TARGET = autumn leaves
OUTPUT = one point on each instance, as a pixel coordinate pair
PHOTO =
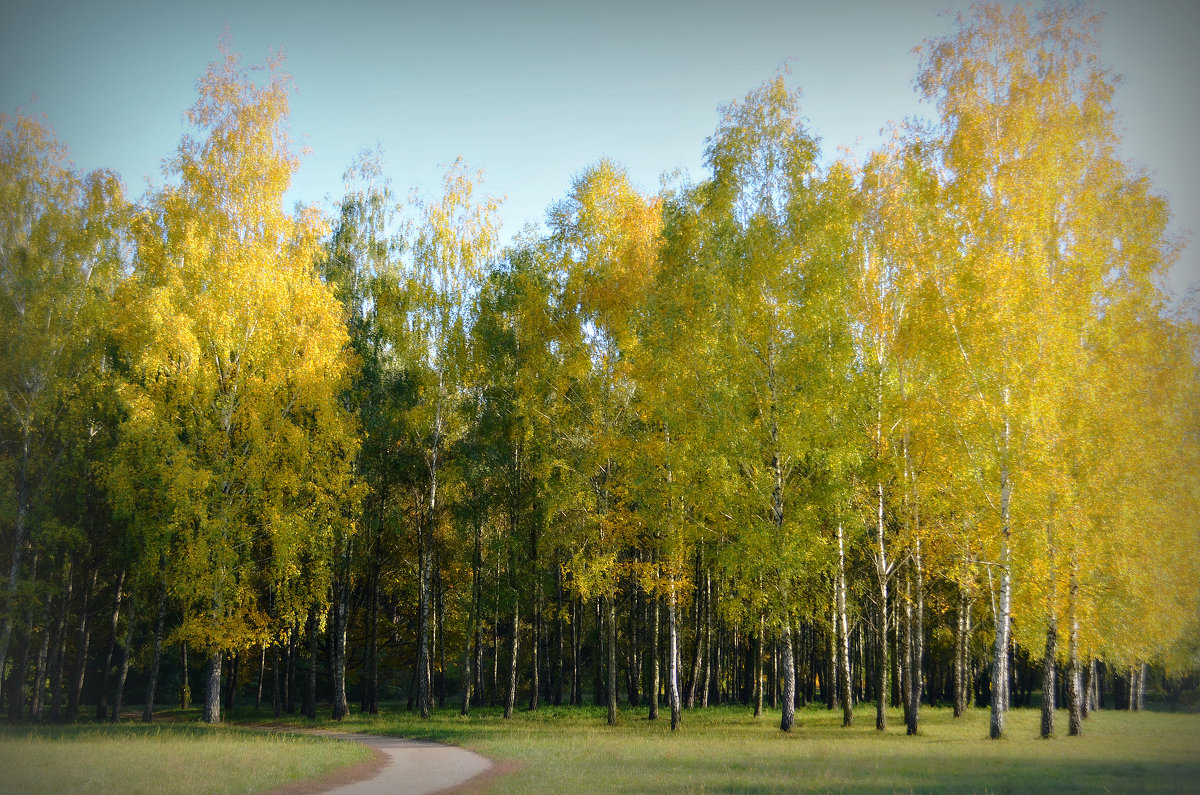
(791, 396)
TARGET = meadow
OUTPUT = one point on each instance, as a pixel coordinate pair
(727, 749)
(163, 758)
(552, 750)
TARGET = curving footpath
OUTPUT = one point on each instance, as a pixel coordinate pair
(401, 766)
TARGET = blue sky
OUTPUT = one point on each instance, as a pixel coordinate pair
(533, 92)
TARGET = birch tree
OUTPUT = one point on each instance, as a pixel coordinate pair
(781, 236)
(62, 250)
(237, 360)
(450, 244)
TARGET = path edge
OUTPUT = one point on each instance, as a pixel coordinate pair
(340, 777)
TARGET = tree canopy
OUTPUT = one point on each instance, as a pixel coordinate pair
(796, 430)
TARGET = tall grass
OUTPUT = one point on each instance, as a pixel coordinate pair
(163, 758)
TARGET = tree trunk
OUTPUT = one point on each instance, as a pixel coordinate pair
(496, 640)
(633, 670)
(709, 596)
(881, 663)
(16, 687)
(472, 624)
(212, 689)
(844, 634)
(788, 719)
(829, 683)
(1089, 674)
(883, 574)
(308, 706)
(58, 647)
(806, 661)
(102, 707)
(610, 603)
(899, 652)
(156, 659)
(82, 641)
(1000, 671)
(185, 689)
(916, 680)
(289, 679)
(777, 520)
(576, 642)
(262, 675)
(276, 676)
(1074, 696)
(37, 695)
(337, 640)
(599, 696)
(1090, 701)
(14, 564)
(655, 650)
(511, 700)
(673, 660)
(424, 690)
(479, 657)
(1049, 688)
(698, 604)
(718, 663)
(425, 562)
(439, 641)
(124, 672)
(774, 689)
(535, 626)
(370, 698)
(235, 664)
(962, 666)
(758, 666)
(558, 637)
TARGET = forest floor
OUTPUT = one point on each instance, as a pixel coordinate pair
(165, 757)
(727, 749)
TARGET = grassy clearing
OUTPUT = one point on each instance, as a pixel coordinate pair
(728, 750)
(162, 758)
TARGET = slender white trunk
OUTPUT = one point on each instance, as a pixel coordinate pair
(673, 664)
(511, 699)
(1074, 692)
(844, 634)
(1003, 609)
(611, 628)
(655, 664)
(789, 675)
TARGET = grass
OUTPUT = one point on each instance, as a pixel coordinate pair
(728, 750)
(162, 758)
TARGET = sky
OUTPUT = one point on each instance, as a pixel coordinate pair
(534, 91)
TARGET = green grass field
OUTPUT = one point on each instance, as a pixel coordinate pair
(163, 758)
(559, 750)
(728, 750)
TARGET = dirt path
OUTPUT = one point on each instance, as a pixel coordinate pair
(400, 766)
